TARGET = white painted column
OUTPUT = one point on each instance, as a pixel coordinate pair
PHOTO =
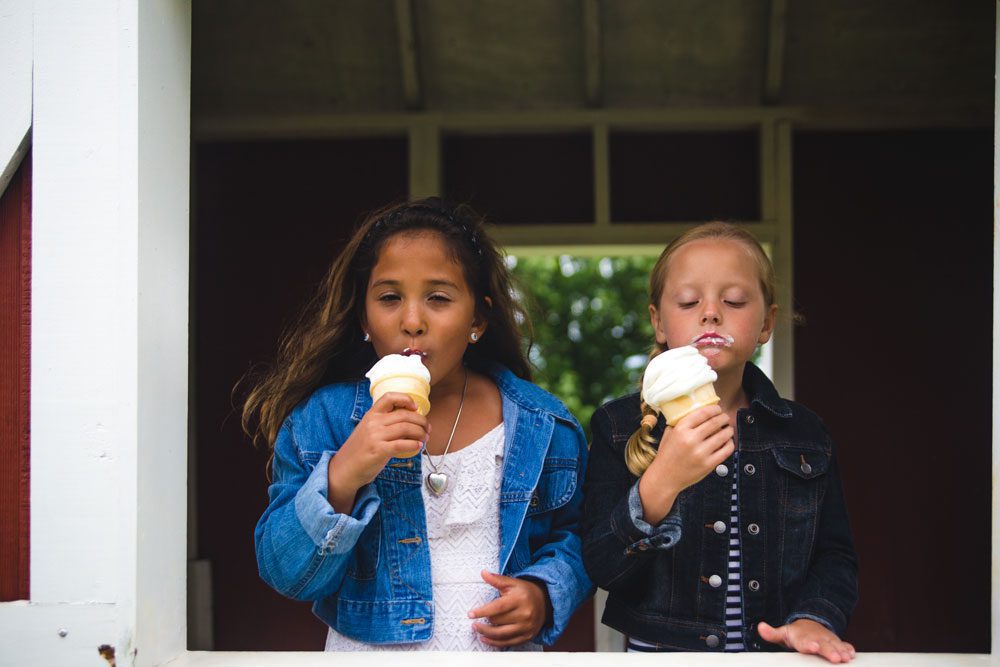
(109, 334)
(15, 85)
(162, 217)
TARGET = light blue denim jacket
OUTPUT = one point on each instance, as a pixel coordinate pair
(369, 573)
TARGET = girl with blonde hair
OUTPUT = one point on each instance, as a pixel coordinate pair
(727, 531)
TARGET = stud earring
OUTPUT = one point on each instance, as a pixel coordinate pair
(473, 336)
(366, 337)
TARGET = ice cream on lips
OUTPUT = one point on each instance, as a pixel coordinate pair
(678, 382)
(712, 339)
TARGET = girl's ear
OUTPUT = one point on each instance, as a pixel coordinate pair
(479, 322)
(658, 332)
(769, 319)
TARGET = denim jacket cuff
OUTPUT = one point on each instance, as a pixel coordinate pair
(330, 530)
(661, 536)
(565, 587)
(821, 611)
(812, 617)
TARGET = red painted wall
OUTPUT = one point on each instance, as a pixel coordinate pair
(15, 337)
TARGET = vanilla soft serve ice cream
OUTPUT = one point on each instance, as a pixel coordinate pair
(677, 382)
(403, 374)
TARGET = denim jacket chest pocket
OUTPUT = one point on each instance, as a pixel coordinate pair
(804, 471)
(555, 486)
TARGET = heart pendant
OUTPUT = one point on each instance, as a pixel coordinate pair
(437, 482)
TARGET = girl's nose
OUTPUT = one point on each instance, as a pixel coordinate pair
(710, 315)
(413, 322)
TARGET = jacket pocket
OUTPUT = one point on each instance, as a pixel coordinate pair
(556, 486)
(806, 473)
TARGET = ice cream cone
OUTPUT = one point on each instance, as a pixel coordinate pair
(685, 404)
(417, 388)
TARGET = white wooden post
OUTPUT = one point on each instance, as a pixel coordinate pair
(110, 128)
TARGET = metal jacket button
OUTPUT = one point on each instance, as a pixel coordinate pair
(753, 585)
(753, 529)
(715, 581)
(749, 419)
(712, 641)
(721, 470)
(719, 527)
(749, 469)
(805, 468)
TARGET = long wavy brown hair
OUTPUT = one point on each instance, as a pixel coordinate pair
(324, 344)
(641, 447)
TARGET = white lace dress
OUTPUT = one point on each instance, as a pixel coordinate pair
(463, 530)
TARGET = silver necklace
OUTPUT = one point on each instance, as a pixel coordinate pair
(436, 480)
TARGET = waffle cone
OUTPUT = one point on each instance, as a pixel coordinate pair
(681, 406)
(417, 389)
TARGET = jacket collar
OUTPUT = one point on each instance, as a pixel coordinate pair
(760, 391)
(362, 399)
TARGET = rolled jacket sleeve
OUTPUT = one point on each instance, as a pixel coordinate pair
(663, 535)
(303, 544)
(331, 531)
(618, 544)
(566, 586)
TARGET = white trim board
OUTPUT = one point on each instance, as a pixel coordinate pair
(16, 40)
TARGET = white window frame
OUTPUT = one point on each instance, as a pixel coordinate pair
(110, 141)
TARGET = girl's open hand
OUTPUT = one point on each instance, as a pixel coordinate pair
(806, 636)
(383, 433)
(516, 616)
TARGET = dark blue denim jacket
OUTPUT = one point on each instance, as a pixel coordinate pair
(798, 558)
(369, 572)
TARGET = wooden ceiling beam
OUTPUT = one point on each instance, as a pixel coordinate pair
(774, 63)
(593, 82)
(409, 58)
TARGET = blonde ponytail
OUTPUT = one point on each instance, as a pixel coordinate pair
(641, 447)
